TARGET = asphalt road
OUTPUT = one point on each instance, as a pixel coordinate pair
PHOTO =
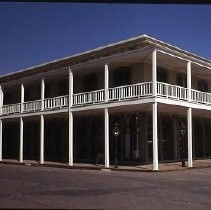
(43, 187)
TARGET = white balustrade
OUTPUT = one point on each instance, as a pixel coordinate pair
(127, 92)
(11, 108)
(130, 91)
(30, 106)
(172, 91)
(89, 97)
(56, 102)
(200, 97)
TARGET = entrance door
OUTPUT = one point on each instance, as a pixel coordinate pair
(165, 138)
(132, 139)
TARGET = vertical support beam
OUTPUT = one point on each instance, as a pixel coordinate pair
(189, 80)
(106, 137)
(70, 150)
(22, 97)
(106, 81)
(70, 163)
(155, 136)
(42, 93)
(21, 141)
(189, 119)
(41, 139)
(1, 100)
(154, 73)
(1, 140)
(70, 88)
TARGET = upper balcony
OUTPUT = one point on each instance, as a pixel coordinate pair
(115, 94)
(133, 76)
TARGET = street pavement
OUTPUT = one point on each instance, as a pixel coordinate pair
(47, 187)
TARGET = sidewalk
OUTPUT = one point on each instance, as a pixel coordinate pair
(138, 168)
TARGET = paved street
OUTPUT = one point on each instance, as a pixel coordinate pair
(44, 187)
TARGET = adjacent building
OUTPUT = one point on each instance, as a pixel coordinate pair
(65, 110)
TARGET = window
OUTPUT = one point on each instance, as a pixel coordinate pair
(202, 86)
(162, 75)
(63, 87)
(7, 98)
(122, 76)
(182, 80)
(90, 82)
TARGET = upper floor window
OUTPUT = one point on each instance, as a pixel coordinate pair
(7, 98)
(162, 75)
(122, 76)
(182, 80)
(63, 87)
(90, 82)
(202, 86)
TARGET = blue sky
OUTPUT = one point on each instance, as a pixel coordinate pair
(34, 33)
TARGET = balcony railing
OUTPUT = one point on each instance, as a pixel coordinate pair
(128, 92)
(172, 91)
(89, 97)
(56, 102)
(31, 106)
(11, 109)
(200, 97)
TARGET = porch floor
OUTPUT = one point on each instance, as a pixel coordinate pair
(139, 168)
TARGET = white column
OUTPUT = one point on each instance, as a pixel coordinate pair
(154, 73)
(189, 120)
(21, 141)
(70, 163)
(106, 137)
(41, 139)
(42, 93)
(1, 100)
(70, 88)
(22, 97)
(0, 140)
(106, 81)
(189, 80)
(155, 136)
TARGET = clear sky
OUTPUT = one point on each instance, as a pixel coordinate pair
(34, 33)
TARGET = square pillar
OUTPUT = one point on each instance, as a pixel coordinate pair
(189, 80)
(70, 88)
(22, 97)
(21, 141)
(1, 100)
(70, 163)
(42, 93)
(106, 120)
(154, 73)
(41, 139)
(155, 136)
(190, 152)
(70, 141)
(0, 140)
(106, 81)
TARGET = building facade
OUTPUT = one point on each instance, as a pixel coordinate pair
(66, 110)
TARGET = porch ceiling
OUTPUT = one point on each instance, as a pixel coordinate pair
(115, 61)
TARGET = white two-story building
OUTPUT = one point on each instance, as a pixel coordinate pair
(65, 110)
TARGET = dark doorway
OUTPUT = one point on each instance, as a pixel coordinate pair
(31, 140)
(165, 138)
(56, 139)
(11, 140)
(89, 139)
